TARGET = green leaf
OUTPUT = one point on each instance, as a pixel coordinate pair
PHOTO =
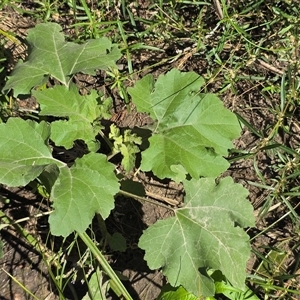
(193, 129)
(171, 293)
(180, 173)
(51, 55)
(126, 144)
(49, 176)
(63, 102)
(24, 151)
(225, 288)
(81, 111)
(43, 129)
(205, 234)
(98, 286)
(117, 242)
(64, 133)
(231, 293)
(88, 187)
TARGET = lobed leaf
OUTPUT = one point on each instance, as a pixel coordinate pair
(24, 151)
(88, 187)
(205, 234)
(51, 55)
(193, 129)
(81, 111)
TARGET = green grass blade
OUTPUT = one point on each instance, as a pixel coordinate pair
(116, 284)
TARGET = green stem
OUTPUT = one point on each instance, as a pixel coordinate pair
(116, 284)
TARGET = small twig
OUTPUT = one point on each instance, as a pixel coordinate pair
(127, 194)
(34, 111)
(273, 207)
(12, 223)
(162, 198)
(218, 9)
(269, 67)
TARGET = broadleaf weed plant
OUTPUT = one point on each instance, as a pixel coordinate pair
(61, 132)
(233, 55)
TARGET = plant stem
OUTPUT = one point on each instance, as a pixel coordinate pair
(116, 284)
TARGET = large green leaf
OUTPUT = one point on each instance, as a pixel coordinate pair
(193, 130)
(24, 151)
(88, 187)
(205, 234)
(51, 55)
(81, 111)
